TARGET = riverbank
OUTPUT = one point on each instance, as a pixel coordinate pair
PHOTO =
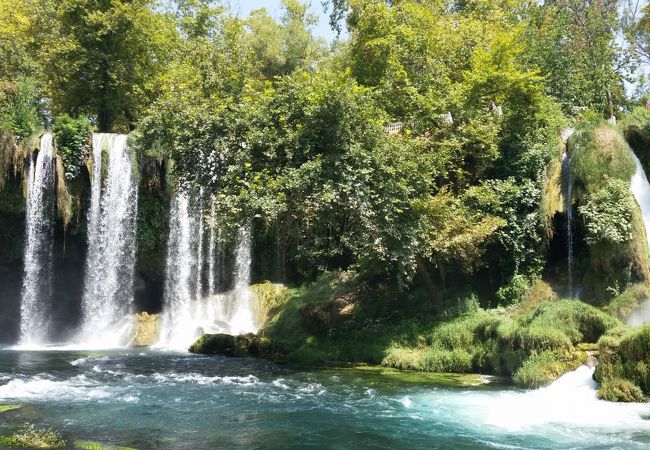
(336, 322)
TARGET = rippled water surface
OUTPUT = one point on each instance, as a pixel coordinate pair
(148, 399)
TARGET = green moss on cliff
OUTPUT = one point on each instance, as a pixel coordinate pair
(613, 249)
(624, 354)
(152, 231)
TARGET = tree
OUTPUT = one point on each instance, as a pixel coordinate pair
(103, 59)
(574, 44)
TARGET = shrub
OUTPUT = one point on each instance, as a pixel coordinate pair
(576, 320)
(608, 214)
(620, 390)
(442, 360)
(514, 291)
(72, 143)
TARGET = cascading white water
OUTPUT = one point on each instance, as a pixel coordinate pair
(37, 280)
(641, 191)
(199, 252)
(187, 314)
(110, 263)
(567, 403)
(176, 327)
(212, 249)
(568, 187)
(242, 320)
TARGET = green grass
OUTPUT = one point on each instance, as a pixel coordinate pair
(338, 321)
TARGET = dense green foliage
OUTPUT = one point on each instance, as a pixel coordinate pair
(72, 137)
(261, 114)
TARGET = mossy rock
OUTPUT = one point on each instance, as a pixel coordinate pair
(541, 369)
(620, 390)
(414, 377)
(624, 354)
(214, 344)
(242, 345)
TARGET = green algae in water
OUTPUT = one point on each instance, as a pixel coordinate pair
(450, 380)
(92, 445)
(29, 436)
(5, 408)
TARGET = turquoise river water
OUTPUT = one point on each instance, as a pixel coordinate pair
(150, 399)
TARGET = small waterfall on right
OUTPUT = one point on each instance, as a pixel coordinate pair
(37, 280)
(187, 312)
(567, 182)
(641, 191)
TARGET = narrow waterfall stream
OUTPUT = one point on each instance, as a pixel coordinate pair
(176, 324)
(567, 182)
(641, 191)
(108, 287)
(212, 253)
(242, 320)
(37, 279)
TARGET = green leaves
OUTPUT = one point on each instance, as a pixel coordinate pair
(72, 137)
(608, 214)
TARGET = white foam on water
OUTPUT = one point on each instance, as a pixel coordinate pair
(41, 387)
(197, 378)
(569, 403)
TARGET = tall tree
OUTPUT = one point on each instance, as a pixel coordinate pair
(104, 56)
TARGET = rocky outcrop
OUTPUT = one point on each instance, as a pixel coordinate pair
(145, 331)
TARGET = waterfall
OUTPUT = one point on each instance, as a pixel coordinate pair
(242, 320)
(37, 281)
(212, 249)
(187, 314)
(176, 328)
(641, 191)
(110, 263)
(199, 253)
(567, 182)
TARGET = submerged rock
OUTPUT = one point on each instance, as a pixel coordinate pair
(145, 332)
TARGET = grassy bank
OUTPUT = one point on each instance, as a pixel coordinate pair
(337, 320)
